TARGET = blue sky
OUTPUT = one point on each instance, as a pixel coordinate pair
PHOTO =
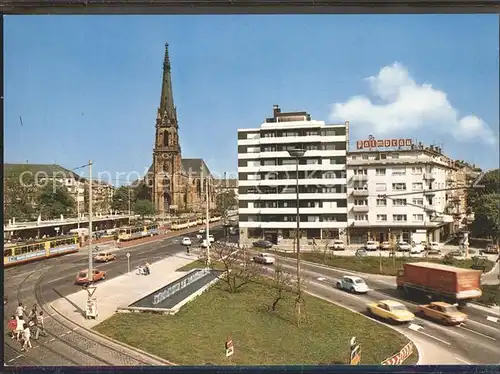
(87, 87)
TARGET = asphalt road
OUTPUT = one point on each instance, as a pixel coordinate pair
(53, 278)
(477, 342)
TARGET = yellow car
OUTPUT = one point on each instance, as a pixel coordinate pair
(443, 312)
(390, 310)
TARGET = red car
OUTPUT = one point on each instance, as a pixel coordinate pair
(83, 278)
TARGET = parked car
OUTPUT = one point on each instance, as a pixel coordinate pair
(264, 258)
(390, 310)
(403, 247)
(82, 276)
(201, 231)
(417, 248)
(211, 238)
(385, 246)
(233, 231)
(371, 245)
(491, 249)
(262, 244)
(352, 284)
(186, 241)
(204, 244)
(104, 257)
(337, 245)
(361, 252)
(434, 247)
(442, 312)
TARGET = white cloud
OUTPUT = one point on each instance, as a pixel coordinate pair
(408, 108)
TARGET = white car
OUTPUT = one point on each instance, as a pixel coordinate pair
(434, 247)
(417, 248)
(201, 231)
(211, 238)
(404, 247)
(352, 284)
(385, 246)
(204, 244)
(337, 245)
(371, 245)
(264, 258)
(186, 241)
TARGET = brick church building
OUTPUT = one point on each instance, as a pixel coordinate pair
(178, 184)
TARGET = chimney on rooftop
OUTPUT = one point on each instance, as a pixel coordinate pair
(276, 110)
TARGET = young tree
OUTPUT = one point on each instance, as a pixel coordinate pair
(144, 208)
(487, 217)
(121, 198)
(238, 271)
(282, 285)
(54, 200)
(225, 200)
(19, 197)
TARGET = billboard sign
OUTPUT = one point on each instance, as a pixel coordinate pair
(383, 143)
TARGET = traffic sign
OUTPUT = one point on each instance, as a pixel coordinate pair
(128, 255)
(128, 262)
(229, 347)
(355, 351)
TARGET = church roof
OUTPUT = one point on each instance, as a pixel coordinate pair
(195, 165)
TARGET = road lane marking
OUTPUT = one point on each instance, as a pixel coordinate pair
(473, 322)
(459, 359)
(433, 337)
(321, 279)
(415, 327)
(51, 340)
(76, 328)
(478, 333)
(492, 319)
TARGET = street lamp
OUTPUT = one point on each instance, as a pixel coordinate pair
(297, 153)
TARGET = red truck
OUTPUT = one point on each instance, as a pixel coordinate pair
(439, 282)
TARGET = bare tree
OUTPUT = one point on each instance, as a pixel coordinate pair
(281, 285)
(238, 270)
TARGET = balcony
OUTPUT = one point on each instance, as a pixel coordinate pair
(451, 178)
(360, 178)
(430, 176)
(360, 193)
(360, 209)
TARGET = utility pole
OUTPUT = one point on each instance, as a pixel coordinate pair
(90, 273)
(78, 203)
(129, 210)
(208, 223)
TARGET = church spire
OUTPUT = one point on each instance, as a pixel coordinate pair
(167, 99)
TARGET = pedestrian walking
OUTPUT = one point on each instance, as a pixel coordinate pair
(12, 325)
(19, 327)
(40, 327)
(26, 338)
(33, 312)
(20, 310)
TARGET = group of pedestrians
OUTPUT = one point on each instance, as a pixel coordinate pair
(22, 327)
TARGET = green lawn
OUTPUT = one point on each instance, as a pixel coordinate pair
(196, 335)
(371, 264)
(491, 295)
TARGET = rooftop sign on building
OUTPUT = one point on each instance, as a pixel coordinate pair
(372, 143)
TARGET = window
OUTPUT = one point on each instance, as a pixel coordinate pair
(363, 187)
(383, 156)
(289, 161)
(380, 172)
(418, 217)
(329, 147)
(312, 133)
(271, 148)
(361, 217)
(417, 186)
(269, 135)
(399, 171)
(399, 202)
(311, 147)
(328, 190)
(382, 217)
(418, 201)
(329, 219)
(380, 187)
(364, 157)
(395, 156)
(399, 186)
(416, 170)
(312, 161)
(354, 157)
(381, 202)
(360, 171)
(360, 202)
(399, 217)
(253, 149)
(269, 162)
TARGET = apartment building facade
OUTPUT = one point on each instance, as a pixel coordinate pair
(400, 194)
(267, 179)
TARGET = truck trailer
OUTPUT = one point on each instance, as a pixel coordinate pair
(438, 282)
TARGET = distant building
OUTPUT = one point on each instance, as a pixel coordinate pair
(75, 184)
(400, 191)
(267, 179)
(177, 184)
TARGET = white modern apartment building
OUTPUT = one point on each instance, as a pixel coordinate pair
(267, 179)
(399, 194)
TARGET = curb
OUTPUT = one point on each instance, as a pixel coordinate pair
(372, 319)
(137, 350)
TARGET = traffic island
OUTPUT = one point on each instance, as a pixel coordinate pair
(198, 333)
(378, 265)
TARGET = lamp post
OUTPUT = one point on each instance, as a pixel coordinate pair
(90, 276)
(297, 153)
(129, 210)
(207, 221)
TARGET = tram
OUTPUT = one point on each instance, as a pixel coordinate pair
(136, 232)
(14, 254)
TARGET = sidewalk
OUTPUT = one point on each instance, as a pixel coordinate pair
(122, 290)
